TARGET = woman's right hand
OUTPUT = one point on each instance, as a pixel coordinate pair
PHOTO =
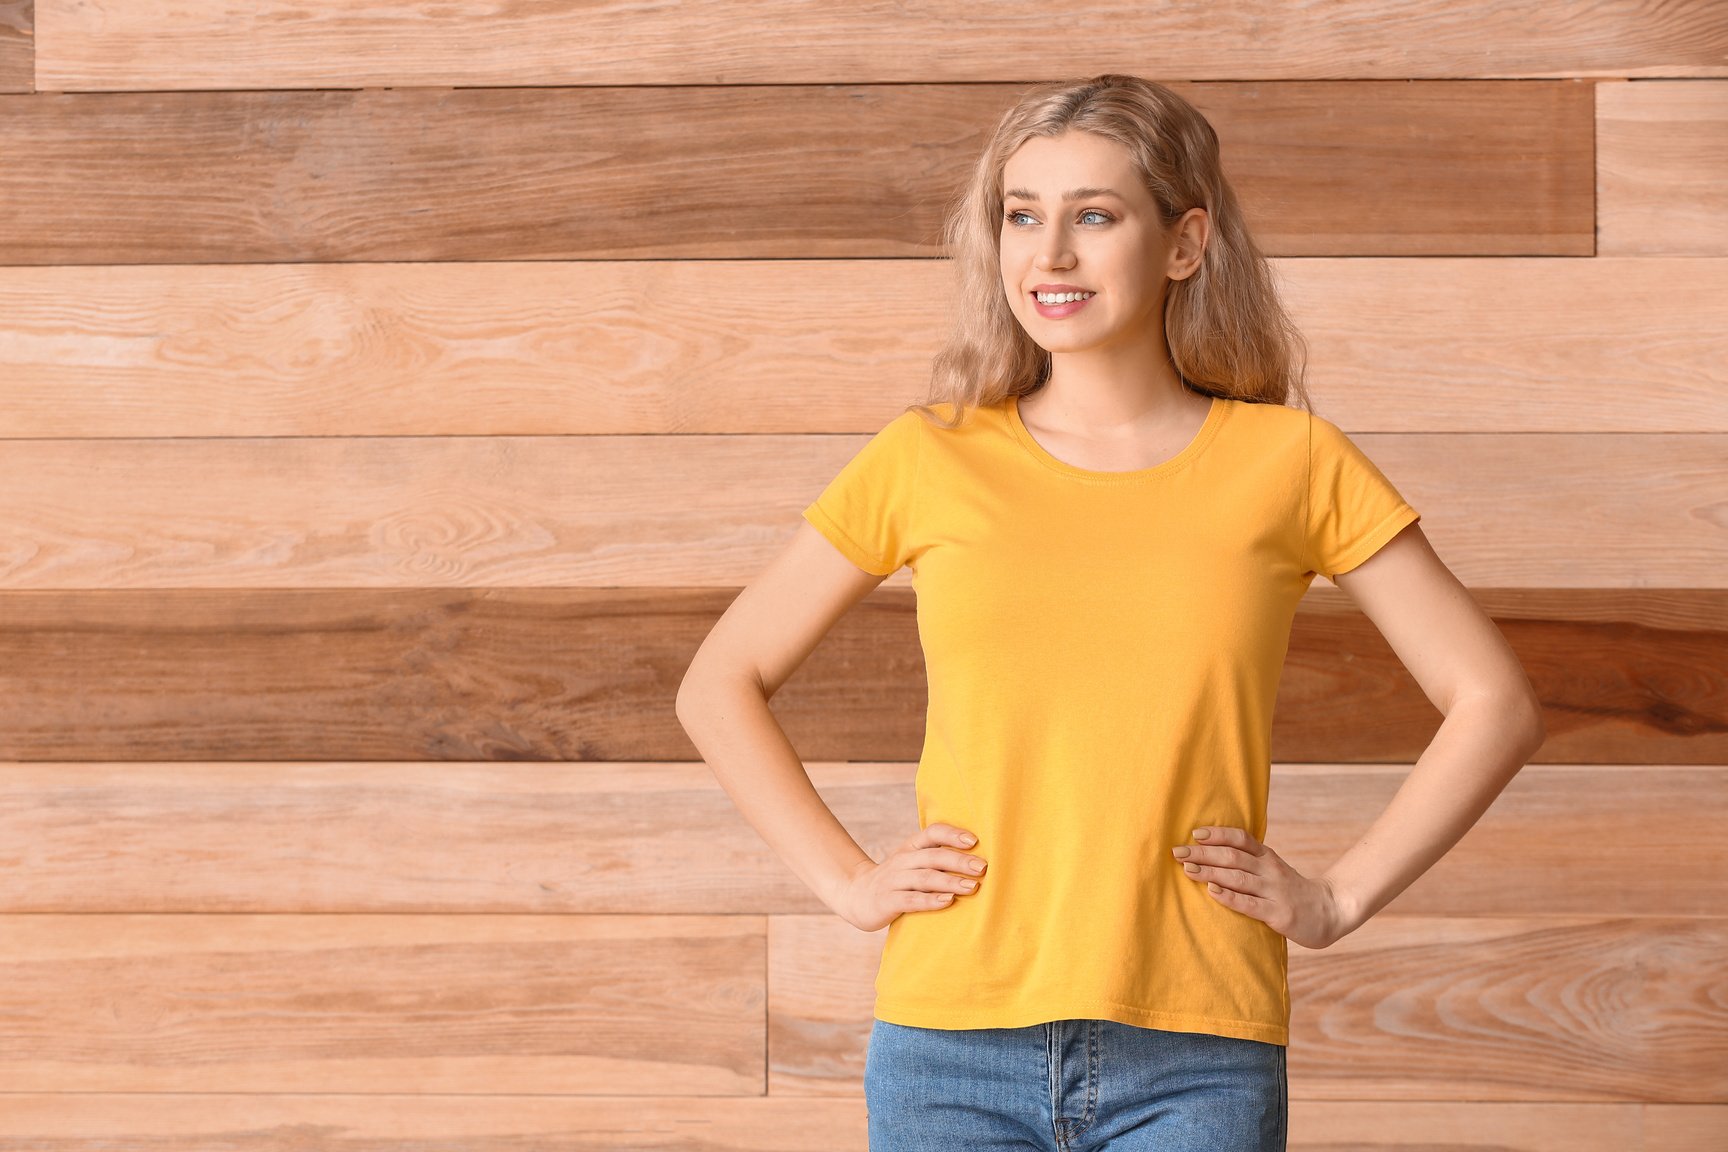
(923, 873)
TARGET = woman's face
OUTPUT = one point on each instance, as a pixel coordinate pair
(1108, 242)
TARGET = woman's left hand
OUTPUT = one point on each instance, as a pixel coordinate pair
(1242, 873)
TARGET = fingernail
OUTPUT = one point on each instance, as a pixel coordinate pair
(1180, 852)
(1201, 833)
(968, 839)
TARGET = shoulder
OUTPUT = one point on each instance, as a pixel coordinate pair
(1271, 417)
(933, 424)
(1269, 428)
(1329, 445)
(943, 410)
(900, 435)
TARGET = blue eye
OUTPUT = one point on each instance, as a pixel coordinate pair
(1089, 212)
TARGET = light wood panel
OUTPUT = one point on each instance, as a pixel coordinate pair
(120, 1002)
(1322, 168)
(1531, 1008)
(1396, 344)
(333, 43)
(1561, 510)
(1662, 170)
(658, 839)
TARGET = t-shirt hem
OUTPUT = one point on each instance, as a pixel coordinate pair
(1394, 523)
(945, 1016)
(826, 524)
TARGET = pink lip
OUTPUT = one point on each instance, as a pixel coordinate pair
(1059, 288)
(1057, 311)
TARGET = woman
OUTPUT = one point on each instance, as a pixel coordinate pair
(1111, 515)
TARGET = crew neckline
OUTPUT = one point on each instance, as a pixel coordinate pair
(1208, 429)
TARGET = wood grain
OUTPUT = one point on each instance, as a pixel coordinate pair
(1562, 510)
(1633, 676)
(464, 174)
(119, 44)
(1661, 151)
(658, 839)
(394, 396)
(17, 46)
(1529, 1008)
(373, 1004)
(1430, 345)
(1470, 1008)
(241, 1122)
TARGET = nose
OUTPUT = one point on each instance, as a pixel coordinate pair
(1053, 251)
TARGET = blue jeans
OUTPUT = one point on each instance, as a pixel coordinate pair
(1072, 1086)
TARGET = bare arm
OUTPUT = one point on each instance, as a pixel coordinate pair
(760, 640)
(1493, 720)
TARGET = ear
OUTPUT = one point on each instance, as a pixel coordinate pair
(1192, 231)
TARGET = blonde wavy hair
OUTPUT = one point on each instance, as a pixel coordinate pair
(1227, 332)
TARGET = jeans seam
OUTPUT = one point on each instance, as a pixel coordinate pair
(1092, 1050)
(1053, 1063)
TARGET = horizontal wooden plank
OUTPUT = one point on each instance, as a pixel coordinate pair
(1524, 1007)
(716, 346)
(1626, 677)
(666, 839)
(1562, 510)
(330, 44)
(1662, 167)
(1320, 168)
(240, 1122)
(1534, 1008)
(1499, 1009)
(370, 1004)
(17, 46)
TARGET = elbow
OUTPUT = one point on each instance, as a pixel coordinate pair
(1527, 720)
(689, 689)
(1538, 727)
(700, 686)
(1517, 711)
(1530, 712)
(686, 701)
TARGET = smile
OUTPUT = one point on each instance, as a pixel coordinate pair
(1061, 303)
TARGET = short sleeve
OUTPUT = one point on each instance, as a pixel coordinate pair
(866, 510)
(1352, 508)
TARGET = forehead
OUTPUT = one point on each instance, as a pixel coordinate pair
(1046, 167)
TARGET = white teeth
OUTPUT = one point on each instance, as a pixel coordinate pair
(1061, 297)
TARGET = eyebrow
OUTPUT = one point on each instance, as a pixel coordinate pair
(1076, 194)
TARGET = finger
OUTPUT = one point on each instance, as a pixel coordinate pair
(936, 880)
(1217, 834)
(947, 836)
(1235, 879)
(1222, 857)
(1246, 903)
(965, 863)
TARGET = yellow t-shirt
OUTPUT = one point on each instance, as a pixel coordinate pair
(1102, 651)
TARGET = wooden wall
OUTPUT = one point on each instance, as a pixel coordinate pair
(393, 395)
